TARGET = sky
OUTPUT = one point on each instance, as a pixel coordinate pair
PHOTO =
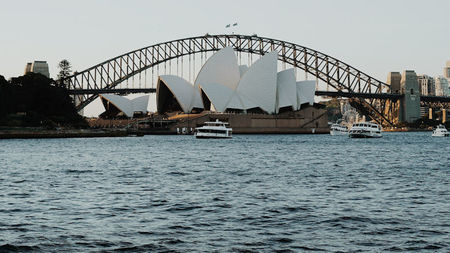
(375, 37)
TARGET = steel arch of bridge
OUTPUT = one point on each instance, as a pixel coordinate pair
(339, 75)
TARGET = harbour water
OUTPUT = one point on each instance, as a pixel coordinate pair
(252, 193)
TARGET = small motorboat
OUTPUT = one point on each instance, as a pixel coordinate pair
(440, 131)
(213, 129)
(365, 130)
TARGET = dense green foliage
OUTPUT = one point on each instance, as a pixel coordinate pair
(65, 69)
(32, 100)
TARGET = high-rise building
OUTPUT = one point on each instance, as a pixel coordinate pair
(393, 80)
(447, 71)
(441, 86)
(28, 68)
(40, 67)
(426, 85)
(410, 103)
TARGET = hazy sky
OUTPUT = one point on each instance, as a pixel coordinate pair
(373, 36)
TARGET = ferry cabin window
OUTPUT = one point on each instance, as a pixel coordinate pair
(213, 131)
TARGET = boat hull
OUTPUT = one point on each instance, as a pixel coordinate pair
(441, 135)
(333, 132)
(212, 137)
(361, 135)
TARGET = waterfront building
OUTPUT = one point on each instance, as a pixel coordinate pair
(426, 85)
(252, 99)
(224, 86)
(120, 107)
(40, 67)
(442, 86)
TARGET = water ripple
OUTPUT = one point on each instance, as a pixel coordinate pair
(255, 193)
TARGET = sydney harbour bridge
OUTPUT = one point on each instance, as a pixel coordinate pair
(130, 72)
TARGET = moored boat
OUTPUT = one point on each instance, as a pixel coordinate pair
(338, 129)
(365, 130)
(440, 131)
(213, 129)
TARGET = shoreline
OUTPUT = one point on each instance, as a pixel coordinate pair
(67, 133)
(35, 133)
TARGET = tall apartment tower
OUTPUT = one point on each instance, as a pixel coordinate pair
(447, 71)
(410, 104)
(426, 85)
(442, 86)
(27, 68)
(393, 80)
(40, 67)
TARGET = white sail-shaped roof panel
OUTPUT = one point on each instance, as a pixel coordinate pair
(305, 92)
(183, 91)
(287, 89)
(243, 69)
(120, 102)
(221, 68)
(247, 102)
(218, 94)
(235, 102)
(127, 106)
(196, 101)
(140, 104)
(258, 85)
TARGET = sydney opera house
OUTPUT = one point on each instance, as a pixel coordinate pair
(224, 86)
(252, 99)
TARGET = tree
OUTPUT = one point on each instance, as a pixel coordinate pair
(32, 100)
(64, 71)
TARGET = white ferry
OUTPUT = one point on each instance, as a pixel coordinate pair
(215, 129)
(365, 130)
(338, 129)
(440, 131)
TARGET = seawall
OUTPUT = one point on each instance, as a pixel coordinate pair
(72, 133)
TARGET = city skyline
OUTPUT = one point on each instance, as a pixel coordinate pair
(375, 37)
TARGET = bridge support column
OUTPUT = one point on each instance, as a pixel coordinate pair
(430, 113)
(444, 115)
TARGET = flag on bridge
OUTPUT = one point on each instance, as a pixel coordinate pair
(227, 26)
(235, 24)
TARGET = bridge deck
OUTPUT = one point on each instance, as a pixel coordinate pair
(318, 93)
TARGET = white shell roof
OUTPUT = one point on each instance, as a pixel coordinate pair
(258, 85)
(218, 94)
(221, 68)
(305, 92)
(230, 86)
(287, 94)
(243, 69)
(187, 96)
(127, 106)
(140, 104)
(235, 102)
